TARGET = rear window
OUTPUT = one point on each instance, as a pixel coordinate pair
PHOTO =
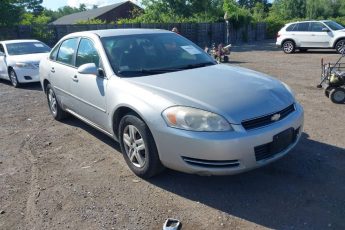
(291, 27)
(27, 48)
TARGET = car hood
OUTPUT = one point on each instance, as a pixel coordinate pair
(30, 58)
(235, 93)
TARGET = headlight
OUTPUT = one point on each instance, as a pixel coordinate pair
(195, 119)
(25, 65)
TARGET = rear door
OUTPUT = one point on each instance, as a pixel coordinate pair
(3, 65)
(318, 37)
(301, 34)
(90, 89)
(63, 71)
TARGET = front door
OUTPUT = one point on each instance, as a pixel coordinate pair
(90, 89)
(3, 65)
(318, 37)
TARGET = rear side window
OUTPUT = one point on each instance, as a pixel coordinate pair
(301, 27)
(53, 54)
(67, 51)
(291, 27)
(87, 53)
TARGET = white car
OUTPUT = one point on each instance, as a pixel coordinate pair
(311, 35)
(19, 60)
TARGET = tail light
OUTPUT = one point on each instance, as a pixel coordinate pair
(278, 35)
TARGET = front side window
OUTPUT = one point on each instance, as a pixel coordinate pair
(23, 48)
(67, 51)
(317, 26)
(147, 54)
(302, 27)
(87, 53)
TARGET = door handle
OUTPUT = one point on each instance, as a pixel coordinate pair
(75, 78)
(52, 70)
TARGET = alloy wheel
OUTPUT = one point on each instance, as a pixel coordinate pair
(135, 146)
(13, 79)
(52, 102)
(288, 47)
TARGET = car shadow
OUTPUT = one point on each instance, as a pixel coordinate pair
(72, 121)
(299, 191)
(303, 190)
(28, 86)
(266, 45)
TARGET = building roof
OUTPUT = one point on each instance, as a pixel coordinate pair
(86, 15)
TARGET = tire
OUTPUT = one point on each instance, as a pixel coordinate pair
(337, 95)
(339, 46)
(303, 50)
(226, 59)
(13, 78)
(138, 147)
(289, 47)
(54, 107)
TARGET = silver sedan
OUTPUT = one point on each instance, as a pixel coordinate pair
(169, 104)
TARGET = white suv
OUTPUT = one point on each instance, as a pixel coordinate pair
(311, 35)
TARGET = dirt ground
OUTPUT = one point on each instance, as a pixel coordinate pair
(67, 175)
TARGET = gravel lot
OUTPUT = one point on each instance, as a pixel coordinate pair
(57, 175)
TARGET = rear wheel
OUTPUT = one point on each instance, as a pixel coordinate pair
(289, 47)
(13, 78)
(54, 107)
(337, 95)
(340, 46)
(138, 147)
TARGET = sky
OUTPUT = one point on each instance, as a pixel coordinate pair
(55, 4)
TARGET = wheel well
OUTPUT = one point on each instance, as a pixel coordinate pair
(9, 69)
(45, 83)
(288, 39)
(335, 43)
(118, 115)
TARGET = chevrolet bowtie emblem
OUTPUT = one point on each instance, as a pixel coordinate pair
(275, 117)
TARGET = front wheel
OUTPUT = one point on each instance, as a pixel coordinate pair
(337, 95)
(289, 47)
(13, 78)
(340, 46)
(138, 147)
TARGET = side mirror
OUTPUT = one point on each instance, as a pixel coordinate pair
(89, 68)
(2, 54)
(325, 30)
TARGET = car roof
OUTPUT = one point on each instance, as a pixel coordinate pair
(19, 41)
(119, 32)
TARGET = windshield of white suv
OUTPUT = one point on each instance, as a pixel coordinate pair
(334, 25)
(146, 54)
(27, 48)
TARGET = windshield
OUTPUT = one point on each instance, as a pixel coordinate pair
(27, 48)
(146, 54)
(334, 25)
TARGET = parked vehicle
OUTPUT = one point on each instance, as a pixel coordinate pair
(169, 104)
(19, 60)
(311, 35)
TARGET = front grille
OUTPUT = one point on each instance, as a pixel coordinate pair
(264, 152)
(211, 164)
(267, 120)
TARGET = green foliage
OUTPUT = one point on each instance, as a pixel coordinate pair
(236, 14)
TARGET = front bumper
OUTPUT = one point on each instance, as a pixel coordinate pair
(222, 153)
(27, 75)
